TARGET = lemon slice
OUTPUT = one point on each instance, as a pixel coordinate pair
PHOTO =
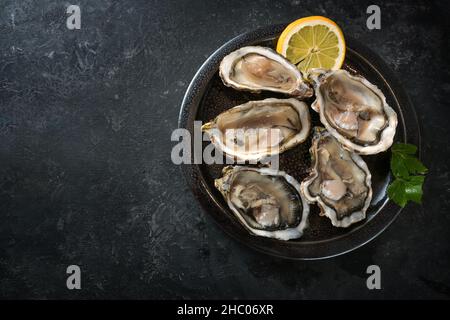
(313, 42)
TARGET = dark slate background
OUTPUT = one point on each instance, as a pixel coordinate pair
(85, 170)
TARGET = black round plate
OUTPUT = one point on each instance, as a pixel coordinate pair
(206, 97)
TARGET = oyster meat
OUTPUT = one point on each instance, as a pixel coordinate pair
(258, 129)
(354, 111)
(340, 181)
(267, 203)
(256, 68)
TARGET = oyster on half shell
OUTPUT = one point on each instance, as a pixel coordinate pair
(261, 128)
(267, 203)
(257, 68)
(354, 111)
(340, 182)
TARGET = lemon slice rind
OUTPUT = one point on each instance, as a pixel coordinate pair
(303, 51)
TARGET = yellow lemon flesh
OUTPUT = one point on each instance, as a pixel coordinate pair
(313, 42)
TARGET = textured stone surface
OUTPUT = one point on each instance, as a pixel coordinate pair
(85, 170)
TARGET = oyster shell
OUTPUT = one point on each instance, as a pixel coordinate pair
(258, 129)
(354, 111)
(256, 68)
(268, 203)
(340, 181)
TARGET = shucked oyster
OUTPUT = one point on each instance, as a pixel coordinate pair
(268, 203)
(340, 181)
(257, 129)
(261, 68)
(354, 111)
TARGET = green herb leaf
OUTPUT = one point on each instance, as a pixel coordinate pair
(396, 194)
(408, 172)
(413, 188)
(398, 167)
(402, 191)
(403, 165)
(414, 165)
(404, 148)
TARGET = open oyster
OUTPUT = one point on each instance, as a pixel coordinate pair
(354, 111)
(257, 129)
(340, 181)
(259, 68)
(267, 202)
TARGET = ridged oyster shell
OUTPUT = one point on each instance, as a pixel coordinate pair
(267, 203)
(354, 111)
(340, 181)
(259, 129)
(255, 68)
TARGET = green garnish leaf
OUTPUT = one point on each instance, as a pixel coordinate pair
(413, 188)
(404, 148)
(398, 167)
(396, 193)
(402, 191)
(403, 165)
(414, 165)
(409, 175)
